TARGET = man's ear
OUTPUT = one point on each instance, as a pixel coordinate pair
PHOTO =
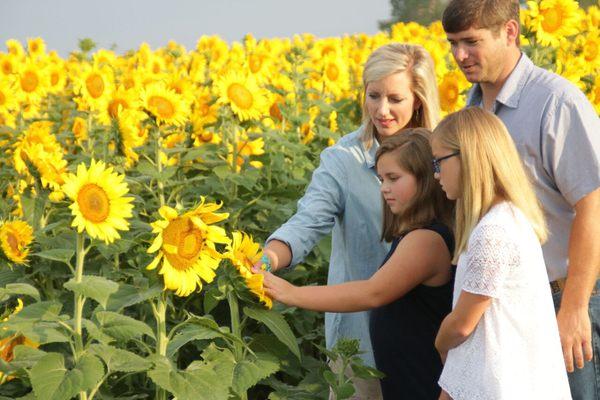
(512, 32)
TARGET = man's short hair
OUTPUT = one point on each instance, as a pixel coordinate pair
(461, 15)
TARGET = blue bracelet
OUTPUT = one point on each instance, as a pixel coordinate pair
(266, 262)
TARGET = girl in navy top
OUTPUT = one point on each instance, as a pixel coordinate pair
(411, 292)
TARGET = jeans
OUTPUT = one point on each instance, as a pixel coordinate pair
(585, 382)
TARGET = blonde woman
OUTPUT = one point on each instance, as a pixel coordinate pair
(343, 196)
(501, 339)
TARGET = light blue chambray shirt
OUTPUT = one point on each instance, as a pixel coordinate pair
(343, 197)
(557, 133)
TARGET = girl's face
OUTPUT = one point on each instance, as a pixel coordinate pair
(390, 103)
(398, 187)
(449, 170)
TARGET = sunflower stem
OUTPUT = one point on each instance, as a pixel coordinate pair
(160, 312)
(236, 329)
(234, 310)
(161, 187)
(79, 301)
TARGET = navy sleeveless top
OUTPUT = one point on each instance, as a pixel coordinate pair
(403, 335)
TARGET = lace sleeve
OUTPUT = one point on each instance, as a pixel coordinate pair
(491, 257)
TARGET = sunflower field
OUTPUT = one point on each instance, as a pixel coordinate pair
(136, 191)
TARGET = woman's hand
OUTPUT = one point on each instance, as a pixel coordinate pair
(277, 288)
(445, 396)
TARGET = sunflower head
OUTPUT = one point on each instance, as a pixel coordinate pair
(165, 104)
(241, 92)
(186, 246)
(243, 253)
(15, 238)
(99, 203)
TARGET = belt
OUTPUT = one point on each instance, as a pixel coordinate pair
(558, 285)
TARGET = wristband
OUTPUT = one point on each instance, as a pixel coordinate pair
(266, 262)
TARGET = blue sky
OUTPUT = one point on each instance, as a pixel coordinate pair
(127, 23)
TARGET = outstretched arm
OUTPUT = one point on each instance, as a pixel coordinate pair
(420, 256)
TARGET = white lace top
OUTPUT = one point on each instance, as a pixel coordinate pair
(514, 352)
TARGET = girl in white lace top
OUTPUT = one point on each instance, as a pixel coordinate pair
(501, 339)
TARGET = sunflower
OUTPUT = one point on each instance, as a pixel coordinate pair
(552, 20)
(247, 100)
(119, 100)
(80, 129)
(335, 77)
(8, 100)
(8, 344)
(33, 81)
(245, 148)
(15, 238)
(15, 48)
(99, 203)
(594, 95)
(450, 89)
(186, 246)
(94, 86)
(133, 133)
(58, 77)
(40, 147)
(8, 64)
(36, 48)
(244, 253)
(167, 106)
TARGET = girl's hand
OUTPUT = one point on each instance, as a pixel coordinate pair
(277, 288)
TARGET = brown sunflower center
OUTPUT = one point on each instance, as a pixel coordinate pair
(187, 238)
(93, 203)
(275, 111)
(54, 77)
(13, 241)
(333, 72)
(255, 63)
(29, 81)
(552, 20)
(206, 136)
(113, 107)
(95, 85)
(240, 95)
(161, 106)
(590, 50)
(451, 93)
(7, 68)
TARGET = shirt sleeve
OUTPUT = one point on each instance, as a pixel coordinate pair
(491, 256)
(572, 146)
(323, 200)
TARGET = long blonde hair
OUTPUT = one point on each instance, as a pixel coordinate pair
(416, 61)
(490, 168)
(412, 153)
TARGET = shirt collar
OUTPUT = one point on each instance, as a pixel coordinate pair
(370, 154)
(510, 94)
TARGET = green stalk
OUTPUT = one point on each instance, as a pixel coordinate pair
(162, 340)
(161, 186)
(234, 310)
(79, 301)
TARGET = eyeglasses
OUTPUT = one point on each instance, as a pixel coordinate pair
(437, 161)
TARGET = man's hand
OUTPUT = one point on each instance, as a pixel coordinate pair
(575, 331)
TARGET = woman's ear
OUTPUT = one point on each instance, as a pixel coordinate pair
(417, 104)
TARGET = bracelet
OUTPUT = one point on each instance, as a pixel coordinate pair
(266, 262)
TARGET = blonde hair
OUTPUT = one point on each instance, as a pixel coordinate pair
(412, 153)
(416, 61)
(490, 168)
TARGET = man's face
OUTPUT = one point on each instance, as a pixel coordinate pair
(479, 53)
